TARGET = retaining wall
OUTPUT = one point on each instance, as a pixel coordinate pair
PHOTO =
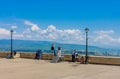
(46, 56)
(104, 60)
(5, 54)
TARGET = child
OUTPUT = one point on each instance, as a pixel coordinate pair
(82, 60)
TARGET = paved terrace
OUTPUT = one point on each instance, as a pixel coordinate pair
(42, 69)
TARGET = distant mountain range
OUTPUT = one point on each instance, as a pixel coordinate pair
(32, 46)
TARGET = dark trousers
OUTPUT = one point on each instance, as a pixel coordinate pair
(54, 53)
(37, 56)
(73, 58)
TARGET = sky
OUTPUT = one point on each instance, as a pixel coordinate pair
(62, 21)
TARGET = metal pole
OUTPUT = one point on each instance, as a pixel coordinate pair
(11, 44)
(86, 56)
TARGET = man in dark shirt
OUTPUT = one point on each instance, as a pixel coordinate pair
(53, 49)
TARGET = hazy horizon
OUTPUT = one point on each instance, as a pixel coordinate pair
(45, 46)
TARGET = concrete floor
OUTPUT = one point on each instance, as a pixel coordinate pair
(43, 69)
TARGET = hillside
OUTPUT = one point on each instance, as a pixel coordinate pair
(32, 46)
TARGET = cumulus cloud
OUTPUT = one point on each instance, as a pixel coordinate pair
(4, 31)
(106, 37)
(51, 28)
(65, 35)
(32, 31)
(34, 27)
(52, 33)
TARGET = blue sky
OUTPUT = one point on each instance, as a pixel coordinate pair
(62, 20)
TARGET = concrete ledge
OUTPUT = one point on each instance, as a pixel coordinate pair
(4, 54)
(104, 60)
(67, 57)
(27, 55)
(47, 56)
(17, 55)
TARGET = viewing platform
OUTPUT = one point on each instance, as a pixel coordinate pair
(22, 68)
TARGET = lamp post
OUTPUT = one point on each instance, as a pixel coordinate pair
(11, 43)
(86, 55)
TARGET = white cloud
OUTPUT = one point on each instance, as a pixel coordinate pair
(4, 31)
(18, 36)
(27, 31)
(33, 32)
(53, 34)
(51, 28)
(102, 32)
(106, 37)
(65, 35)
(34, 27)
(13, 27)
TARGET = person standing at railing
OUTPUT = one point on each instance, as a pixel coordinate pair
(73, 56)
(59, 53)
(76, 56)
(53, 49)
